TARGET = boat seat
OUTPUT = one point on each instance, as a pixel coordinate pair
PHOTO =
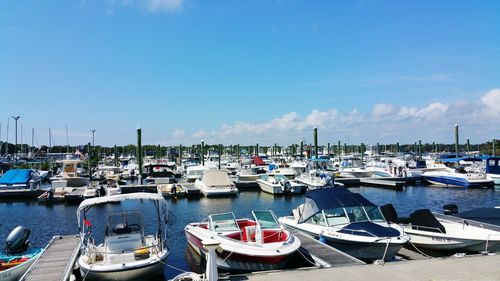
(390, 214)
(249, 233)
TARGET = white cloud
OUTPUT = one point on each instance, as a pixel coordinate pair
(491, 102)
(382, 110)
(385, 122)
(178, 133)
(164, 5)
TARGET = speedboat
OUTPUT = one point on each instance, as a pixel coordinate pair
(352, 167)
(69, 177)
(18, 256)
(348, 222)
(127, 253)
(17, 179)
(279, 184)
(445, 233)
(245, 245)
(215, 183)
(457, 178)
(169, 190)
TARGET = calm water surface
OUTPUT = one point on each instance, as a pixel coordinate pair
(47, 221)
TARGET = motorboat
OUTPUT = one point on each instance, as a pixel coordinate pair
(439, 232)
(69, 176)
(245, 244)
(352, 167)
(16, 179)
(105, 172)
(169, 190)
(105, 188)
(195, 172)
(127, 252)
(279, 184)
(493, 169)
(458, 177)
(314, 179)
(215, 183)
(160, 173)
(290, 173)
(348, 222)
(18, 256)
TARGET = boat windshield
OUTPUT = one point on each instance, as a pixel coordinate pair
(265, 219)
(336, 216)
(125, 222)
(223, 222)
(374, 213)
(356, 214)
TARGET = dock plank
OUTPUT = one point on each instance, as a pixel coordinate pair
(57, 260)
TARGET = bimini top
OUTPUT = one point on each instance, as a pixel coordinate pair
(121, 197)
(330, 198)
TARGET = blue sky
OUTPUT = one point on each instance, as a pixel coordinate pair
(251, 71)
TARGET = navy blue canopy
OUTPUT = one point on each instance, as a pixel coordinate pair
(330, 198)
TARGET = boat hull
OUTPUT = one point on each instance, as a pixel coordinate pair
(13, 274)
(239, 262)
(456, 181)
(144, 271)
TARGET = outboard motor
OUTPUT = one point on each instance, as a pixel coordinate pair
(17, 242)
(450, 209)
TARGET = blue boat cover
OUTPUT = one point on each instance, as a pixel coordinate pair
(19, 176)
(487, 215)
(328, 199)
(369, 229)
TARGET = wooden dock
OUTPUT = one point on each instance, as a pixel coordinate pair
(323, 254)
(20, 193)
(390, 184)
(57, 261)
(131, 188)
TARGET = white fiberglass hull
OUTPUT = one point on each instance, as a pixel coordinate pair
(14, 273)
(140, 270)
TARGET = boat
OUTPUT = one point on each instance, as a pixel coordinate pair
(195, 172)
(215, 183)
(160, 173)
(348, 222)
(18, 256)
(127, 253)
(69, 176)
(105, 172)
(17, 179)
(352, 167)
(169, 190)
(458, 177)
(438, 232)
(290, 173)
(279, 184)
(493, 169)
(245, 244)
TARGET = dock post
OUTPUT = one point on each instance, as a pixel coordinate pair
(238, 150)
(257, 149)
(467, 145)
(89, 156)
(420, 150)
(338, 148)
(494, 148)
(433, 146)
(211, 245)
(378, 148)
(456, 140)
(220, 153)
(301, 148)
(180, 154)
(345, 149)
(328, 149)
(315, 135)
(116, 156)
(139, 153)
(202, 153)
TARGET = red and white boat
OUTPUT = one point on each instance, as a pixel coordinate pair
(245, 245)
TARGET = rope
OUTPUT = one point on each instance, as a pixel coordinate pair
(309, 261)
(382, 262)
(422, 253)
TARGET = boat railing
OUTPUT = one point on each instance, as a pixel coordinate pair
(91, 249)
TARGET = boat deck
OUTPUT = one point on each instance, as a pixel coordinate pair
(56, 262)
(325, 255)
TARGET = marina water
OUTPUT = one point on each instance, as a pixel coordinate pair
(45, 221)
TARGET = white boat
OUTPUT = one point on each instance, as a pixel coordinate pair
(19, 255)
(127, 253)
(245, 245)
(352, 167)
(457, 178)
(348, 222)
(290, 173)
(69, 176)
(171, 190)
(314, 179)
(445, 233)
(105, 172)
(195, 172)
(215, 183)
(249, 175)
(279, 184)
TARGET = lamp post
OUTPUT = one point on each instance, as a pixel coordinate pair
(15, 147)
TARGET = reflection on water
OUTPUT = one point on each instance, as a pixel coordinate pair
(46, 221)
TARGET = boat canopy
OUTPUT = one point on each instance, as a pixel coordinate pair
(213, 178)
(493, 165)
(119, 198)
(328, 199)
(18, 176)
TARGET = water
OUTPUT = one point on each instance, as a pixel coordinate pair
(46, 221)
